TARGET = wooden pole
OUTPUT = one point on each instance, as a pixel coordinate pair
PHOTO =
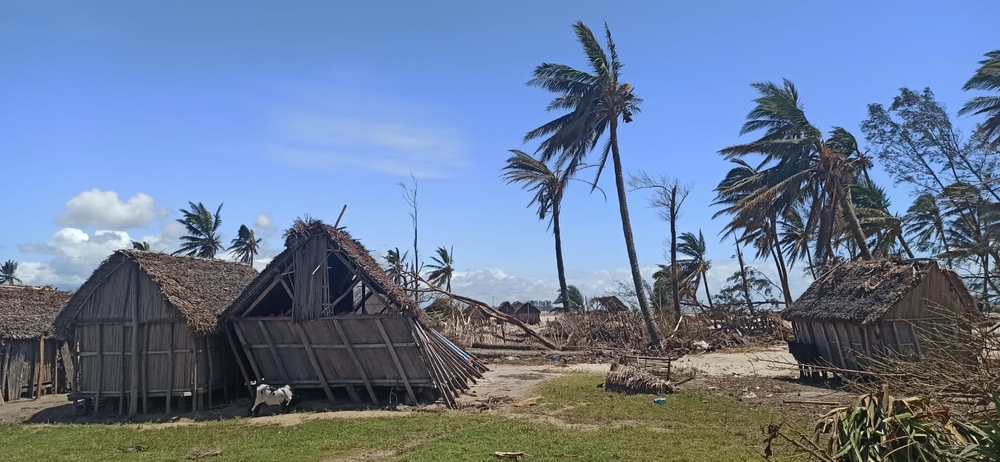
(236, 356)
(133, 404)
(194, 375)
(354, 357)
(40, 367)
(315, 362)
(246, 348)
(170, 368)
(274, 351)
(208, 354)
(3, 372)
(340, 216)
(100, 368)
(121, 373)
(145, 370)
(395, 359)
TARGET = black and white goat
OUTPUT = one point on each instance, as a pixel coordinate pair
(272, 396)
(807, 355)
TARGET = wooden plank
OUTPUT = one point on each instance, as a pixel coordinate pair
(100, 367)
(145, 370)
(40, 367)
(133, 404)
(899, 338)
(236, 356)
(395, 359)
(238, 327)
(194, 375)
(121, 373)
(287, 289)
(274, 351)
(436, 370)
(349, 291)
(3, 372)
(170, 368)
(916, 339)
(211, 374)
(315, 362)
(263, 294)
(354, 357)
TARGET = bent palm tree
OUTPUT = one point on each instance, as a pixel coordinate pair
(443, 268)
(694, 248)
(571, 300)
(397, 266)
(144, 246)
(203, 238)
(548, 187)
(245, 246)
(987, 77)
(595, 101)
(8, 273)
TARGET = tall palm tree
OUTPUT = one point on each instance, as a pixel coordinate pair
(594, 102)
(8, 273)
(397, 266)
(137, 245)
(202, 226)
(442, 268)
(987, 78)
(694, 248)
(548, 187)
(801, 167)
(245, 246)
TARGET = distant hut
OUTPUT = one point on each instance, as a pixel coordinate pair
(507, 308)
(145, 325)
(324, 315)
(875, 306)
(528, 314)
(28, 365)
(610, 305)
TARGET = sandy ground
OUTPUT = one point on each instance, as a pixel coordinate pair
(757, 376)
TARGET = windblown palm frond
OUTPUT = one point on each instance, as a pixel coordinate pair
(202, 239)
(986, 78)
(246, 246)
(443, 268)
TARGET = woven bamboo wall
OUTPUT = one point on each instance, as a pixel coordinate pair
(21, 373)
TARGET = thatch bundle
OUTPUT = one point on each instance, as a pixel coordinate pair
(630, 380)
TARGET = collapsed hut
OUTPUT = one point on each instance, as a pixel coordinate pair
(528, 314)
(609, 304)
(324, 315)
(144, 325)
(875, 307)
(28, 348)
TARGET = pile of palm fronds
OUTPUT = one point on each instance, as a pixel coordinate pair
(882, 428)
(630, 380)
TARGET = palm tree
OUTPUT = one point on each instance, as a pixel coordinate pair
(595, 101)
(987, 78)
(694, 248)
(397, 266)
(548, 187)
(8, 273)
(926, 226)
(571, 300)
(442, 268)
(872, 205)
(144, 246)
(203, 238)
(245, 246)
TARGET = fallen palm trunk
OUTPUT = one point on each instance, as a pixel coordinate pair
(630, 380)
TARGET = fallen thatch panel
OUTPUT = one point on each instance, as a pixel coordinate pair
(630, 380)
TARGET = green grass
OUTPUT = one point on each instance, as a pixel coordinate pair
(592, 425)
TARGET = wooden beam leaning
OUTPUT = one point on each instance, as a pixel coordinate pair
(263, 294)
(287, 288)
(133, 403)
(432, 359)
(41, 364)
(354, 358)
(246, 349)
(315, 362)
(349, 291)
(236, 356)
(274, 351)
(395, 359)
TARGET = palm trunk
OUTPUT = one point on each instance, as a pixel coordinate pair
(906, 248)
(674, 285)
(654, 333)
(559, 257)
(708, 294)
(855, 225)
(780, 261)
(743, 277)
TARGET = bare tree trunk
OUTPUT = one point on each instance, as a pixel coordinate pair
(708, 294)
(743, 277)
(854, 224)
(779, 259)
(654, 333)
(674, 268)
(906, 248)
(557, 232)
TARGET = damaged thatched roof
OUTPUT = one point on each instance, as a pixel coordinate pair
(528, 308)
(506, 308)
(861, 292)
(610, 303)
(29, 312)
(349, 248)
(200, 288)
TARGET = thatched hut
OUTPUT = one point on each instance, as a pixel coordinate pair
(507, 308)
(610, 304)
(876, 306)
(324, 315)
(145, 325)
(528, 313)
(28, 347)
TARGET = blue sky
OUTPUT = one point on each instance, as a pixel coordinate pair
(280, 111)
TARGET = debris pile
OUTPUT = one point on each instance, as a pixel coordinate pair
(630, 380)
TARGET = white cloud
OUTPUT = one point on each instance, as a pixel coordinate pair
(375, 134)
(492, 284)
(104, 210)
(264, 224)
(74, 255)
